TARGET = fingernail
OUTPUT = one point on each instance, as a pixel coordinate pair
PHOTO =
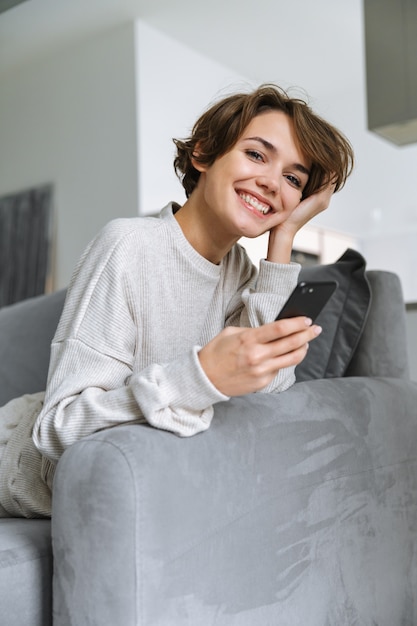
(317, 330)
(308, 321)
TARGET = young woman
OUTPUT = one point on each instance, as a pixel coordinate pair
(167, 316)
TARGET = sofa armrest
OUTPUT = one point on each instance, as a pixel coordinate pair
(266, 518)
(382, 349)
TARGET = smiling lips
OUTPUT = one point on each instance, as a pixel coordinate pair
(255, 203)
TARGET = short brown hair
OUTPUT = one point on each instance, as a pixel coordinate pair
(219, 128)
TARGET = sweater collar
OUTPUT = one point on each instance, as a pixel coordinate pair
(167, 214)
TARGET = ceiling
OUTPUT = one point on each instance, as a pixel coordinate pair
(316, 45)
(313, 44)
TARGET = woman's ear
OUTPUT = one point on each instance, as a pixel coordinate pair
(195, 160)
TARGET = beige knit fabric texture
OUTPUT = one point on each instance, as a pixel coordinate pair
(140, 305)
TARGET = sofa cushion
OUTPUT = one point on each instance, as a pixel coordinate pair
(26, 332)
(382, 353)
(342, 319)
(25, 572)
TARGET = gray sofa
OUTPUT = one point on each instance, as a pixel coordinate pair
(295, 509)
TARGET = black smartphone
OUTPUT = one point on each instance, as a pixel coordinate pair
(308, 298)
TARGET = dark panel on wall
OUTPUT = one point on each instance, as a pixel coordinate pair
(5, 5)
(391, 68)
(25, 243)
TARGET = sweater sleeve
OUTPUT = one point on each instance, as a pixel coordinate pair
(259, 300)
(89, 391)
(92, 382)
(177, 396)
(260, 294)
(263, 301)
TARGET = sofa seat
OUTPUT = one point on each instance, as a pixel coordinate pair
(25, 572)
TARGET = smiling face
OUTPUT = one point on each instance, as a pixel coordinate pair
(256, 185)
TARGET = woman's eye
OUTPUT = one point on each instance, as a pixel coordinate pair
(294, 181)
(255, 155)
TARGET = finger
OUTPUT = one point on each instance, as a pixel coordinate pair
(288, 350)
(270, 367)
(327, 191)
(281, 328)
(289, 359)
(292, 343)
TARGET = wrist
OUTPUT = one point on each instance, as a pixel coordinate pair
(280, 246)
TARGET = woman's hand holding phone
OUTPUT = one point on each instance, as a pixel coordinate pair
(243, 360)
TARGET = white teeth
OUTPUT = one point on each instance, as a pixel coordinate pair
(263, 208)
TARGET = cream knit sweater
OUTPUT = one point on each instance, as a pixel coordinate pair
(140, 305)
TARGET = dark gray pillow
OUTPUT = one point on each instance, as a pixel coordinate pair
(343, 318)
(26, 332)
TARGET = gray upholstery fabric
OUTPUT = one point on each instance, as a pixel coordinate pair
(293, 509)
(26, 331)
(25, 572)
(382, 349)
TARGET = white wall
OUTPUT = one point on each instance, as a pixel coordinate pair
(378, 206)
(395, 253)
(70, 120)
(97, 119)
(73, 120)
(326, 244)
(174, 86)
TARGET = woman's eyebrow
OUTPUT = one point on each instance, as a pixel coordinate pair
(269, 146)
(266, 144)
(302, 169)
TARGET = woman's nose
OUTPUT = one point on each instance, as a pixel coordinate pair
(269, 183)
